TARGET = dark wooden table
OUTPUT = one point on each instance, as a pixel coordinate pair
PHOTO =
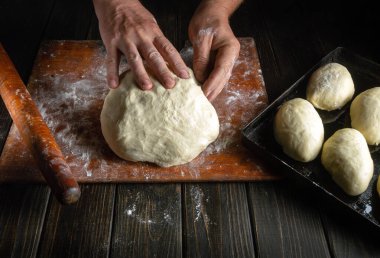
(265, 219)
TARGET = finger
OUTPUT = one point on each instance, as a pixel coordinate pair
(221, 73)
(171, 55)
(201, 58)
(137, 66)
(214, 90)
(112, 65)
(157, 65)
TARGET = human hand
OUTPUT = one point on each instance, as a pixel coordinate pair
(215, 45)
(126, 27)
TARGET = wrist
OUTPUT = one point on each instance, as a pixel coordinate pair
(221, 8)
(208, 15)
(105, 6)
(131, 12)
(115, 2)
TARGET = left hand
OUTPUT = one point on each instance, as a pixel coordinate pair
(212, 37)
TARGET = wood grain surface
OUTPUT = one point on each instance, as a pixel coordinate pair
(68, 85)
(291, 36)
(208, 228)
(61, 238)
(149, 221)
(35, 134)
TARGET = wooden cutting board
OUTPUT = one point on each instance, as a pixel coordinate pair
(68, 84)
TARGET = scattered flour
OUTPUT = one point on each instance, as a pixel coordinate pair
(149, 214)
(206, 32)
(368, 209)
(199, 200)
(72, 109)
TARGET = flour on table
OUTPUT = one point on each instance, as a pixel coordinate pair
(78, 132)
(152, 216)
(199, 205)
(70, 102)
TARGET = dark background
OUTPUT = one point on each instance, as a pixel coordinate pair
(267, 219)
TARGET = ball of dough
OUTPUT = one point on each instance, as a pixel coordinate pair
(365, 115)
(346, 156)
(299, 130)
(330, 87)
(163, 126)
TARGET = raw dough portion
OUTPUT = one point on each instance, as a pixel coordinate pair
(347, 158)
(330, 87)
(299, 130)
(365, 115)
(166, 127)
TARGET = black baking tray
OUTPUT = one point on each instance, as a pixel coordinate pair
(258, 136)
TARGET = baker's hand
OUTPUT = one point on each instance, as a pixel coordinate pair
(126, 27)
(215, 45)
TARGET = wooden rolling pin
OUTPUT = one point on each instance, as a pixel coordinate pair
(35, 133)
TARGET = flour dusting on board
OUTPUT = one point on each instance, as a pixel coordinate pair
(75, 100)
(70, 93)
(78, 131)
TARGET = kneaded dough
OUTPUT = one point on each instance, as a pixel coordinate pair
(167, 127)
(330, 87)
(365, 115)
(345, 155)
(298, 128)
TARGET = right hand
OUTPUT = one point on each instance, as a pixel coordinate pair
(126, 27)
(215, 45)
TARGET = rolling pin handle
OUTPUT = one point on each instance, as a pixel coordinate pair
(70, 195)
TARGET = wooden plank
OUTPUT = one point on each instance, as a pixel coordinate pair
(22, 207)
(326, 29)
(70, 20)
(217, 222)
(5, 124)
(347, 236)
(147, 221)
(22, 213)
(285, 41)
(173, 18)
(279, 215)
(93, 32)
(83, 230)
(80, 230)
(20, 35)
(355, 28)
(67, 70)
(21, 31)
(282, 214)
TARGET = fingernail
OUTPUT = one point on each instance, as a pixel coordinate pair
(113, 84)
(169, 82)
(184, 74)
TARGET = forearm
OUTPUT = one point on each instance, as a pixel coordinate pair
(132, 10)
(107, 2)
(227, 7)
(109, 7)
